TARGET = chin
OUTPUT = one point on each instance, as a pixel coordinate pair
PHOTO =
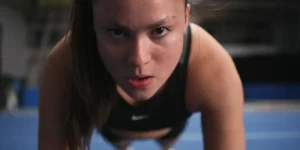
(142, 95)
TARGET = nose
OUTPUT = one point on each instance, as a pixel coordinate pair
(139, 53)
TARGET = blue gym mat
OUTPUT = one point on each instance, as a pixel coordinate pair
(265, 130)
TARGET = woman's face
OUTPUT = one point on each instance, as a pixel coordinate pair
(140, 42)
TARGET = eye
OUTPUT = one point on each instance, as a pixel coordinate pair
(161, 31)
(116, 33)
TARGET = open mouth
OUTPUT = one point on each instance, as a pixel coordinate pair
(140, 82)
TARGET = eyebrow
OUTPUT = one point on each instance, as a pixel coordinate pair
(152, 25)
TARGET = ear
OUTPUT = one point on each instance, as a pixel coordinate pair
(187, 15)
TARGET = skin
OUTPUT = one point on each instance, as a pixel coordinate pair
(213, 84)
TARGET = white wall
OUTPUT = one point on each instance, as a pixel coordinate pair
(14, 48)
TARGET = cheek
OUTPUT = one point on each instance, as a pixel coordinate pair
(112, 59)
(110, 52)
(170, 52)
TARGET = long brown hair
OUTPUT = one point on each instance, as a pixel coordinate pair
(92, 85)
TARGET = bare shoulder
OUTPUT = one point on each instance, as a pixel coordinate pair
(60, 54)
(55, 77)
(54, 97)
(212, 76)
(58, 64)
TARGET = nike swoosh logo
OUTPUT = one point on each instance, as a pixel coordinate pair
(135, 118)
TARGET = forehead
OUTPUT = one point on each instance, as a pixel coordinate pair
(136, 11)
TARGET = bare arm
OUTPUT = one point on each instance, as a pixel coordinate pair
(53, 98)
(222, 117)
(218, 94)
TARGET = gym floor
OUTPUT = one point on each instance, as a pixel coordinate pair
(268, 127)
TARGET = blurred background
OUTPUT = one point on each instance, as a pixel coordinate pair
(29, 29)
(262, 36)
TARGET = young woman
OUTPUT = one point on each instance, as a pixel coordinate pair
(138, 69)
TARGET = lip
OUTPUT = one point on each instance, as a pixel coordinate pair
(140, 82)
(140, 76)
